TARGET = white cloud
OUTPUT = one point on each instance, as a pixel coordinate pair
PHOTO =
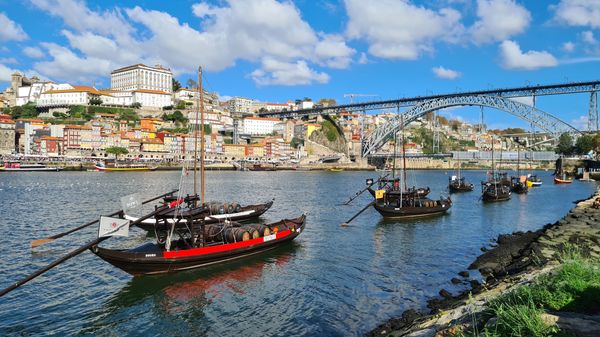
(580, 123)
(8, 60)
(513, 58)
(284, 73)
(525, 100)
(498, 20)
(66, 65)
(33, 52)
(5, 73)
(10, 30)
(399, 30)
(585, 13)
(363, 59)
(588, 37)
(568, 47)
(444, 73)
(253, 30)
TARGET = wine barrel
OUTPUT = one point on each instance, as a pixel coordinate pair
(236, 207)
(262, 229)
(213, 233)
(216, 208)
(235, 234)
(253, 232)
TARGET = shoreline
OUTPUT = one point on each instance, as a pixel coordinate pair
(515, 259)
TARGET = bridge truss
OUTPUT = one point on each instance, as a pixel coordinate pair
(543, 120)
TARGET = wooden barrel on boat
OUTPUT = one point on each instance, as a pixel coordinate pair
(253, 232)
(262, 229)
(216, 208)
(236, 208)
(213, 233)
(235, 234)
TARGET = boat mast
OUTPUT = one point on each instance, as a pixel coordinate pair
(201, 107)
(403, 153)
(196, 147)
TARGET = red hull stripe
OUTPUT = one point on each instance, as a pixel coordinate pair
(222, 248)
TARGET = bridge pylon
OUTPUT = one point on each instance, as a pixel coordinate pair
(593, 112)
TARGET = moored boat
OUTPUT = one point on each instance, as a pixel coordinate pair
(519, 185)
(194, 249)
(15, 166)
(100, 166)
(493, 191)
(412, 207)
(534, 180)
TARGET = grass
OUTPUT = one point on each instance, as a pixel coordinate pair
(574, 287)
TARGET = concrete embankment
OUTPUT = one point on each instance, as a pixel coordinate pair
(516, 259)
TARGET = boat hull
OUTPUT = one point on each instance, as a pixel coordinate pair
(122, 169)
(32, 169)
(562, 181)
(246, 213)
(391, 212)
(151, 259)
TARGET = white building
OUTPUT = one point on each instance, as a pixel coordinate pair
(142, 77)
(72, 95)
(152, 98)
(259, 126)
(240, 105)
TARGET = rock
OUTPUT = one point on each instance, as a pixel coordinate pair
(464, 273)
(491, 323)
(450, 332)
(475, 284)
(483, 249)
(454, 280)
(578, 324)
(445, 294)
(430, 332)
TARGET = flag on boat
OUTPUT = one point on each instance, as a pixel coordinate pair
(113, 227)
(379, 194)
(131, 202)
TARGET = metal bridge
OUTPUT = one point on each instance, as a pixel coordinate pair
(533, 91)
(543, 120)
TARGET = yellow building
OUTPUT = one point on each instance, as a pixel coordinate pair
(310, 128)
(152, 145)
(150, 124)
(235, 150)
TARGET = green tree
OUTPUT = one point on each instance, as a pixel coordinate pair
(296, 142)
(327, 102)
(180, 105)
(136, 105)
(176, 85)
(584, 144)
(117, 150)
(96, 101)
(28, 110)
(565, 144)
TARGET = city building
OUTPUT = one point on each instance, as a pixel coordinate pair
(71, 95)
(240, 106)
(258, 125)
(7, 135)
(142, 77)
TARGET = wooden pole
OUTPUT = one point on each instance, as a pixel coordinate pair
(364, 189)
(39, 242)
(346, 224)
(73, 254)
(196, 144)
(202, 149)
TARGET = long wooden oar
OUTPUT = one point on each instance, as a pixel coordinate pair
(364, 189)
(346, 224)
(40, 242)
(81, 250)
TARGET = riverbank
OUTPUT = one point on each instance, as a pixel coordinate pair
(514, 260)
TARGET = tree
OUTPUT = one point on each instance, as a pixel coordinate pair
(24, 111)
(192, 84)
(116, 150)
(180, 105)
(95, 101)
(584, 144)
(176, 85)
(136, 105)
(565, 144)
(327, 102)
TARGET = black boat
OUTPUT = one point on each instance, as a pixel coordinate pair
(202, 245)
(214, 212)
(492, 191)
(412, 207)
(519, 185)
(392, 189)
(456, 185)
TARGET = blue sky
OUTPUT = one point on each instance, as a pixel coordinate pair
(279, 50)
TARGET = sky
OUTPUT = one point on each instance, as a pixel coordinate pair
(275, 51)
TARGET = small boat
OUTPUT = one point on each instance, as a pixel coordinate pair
(534, 180)
(392, 189)
(456, 185)
(560, 177)
(564, 180)
(261, 167)
(412, 207)
(336, 169)
(100, 166)
(214, 212)
(519, 185)
(19, 167)
(493, 191)
(201, 246)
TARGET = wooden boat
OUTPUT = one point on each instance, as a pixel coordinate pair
(99, 166)
(563, 180)
(457, 185)
(519, 185)
(261, 167)
(392, 189)
(336, 169)
(412, 207)
(493, 191)
(15, 166)
(213, 213)
(189, 251)
(560, 177)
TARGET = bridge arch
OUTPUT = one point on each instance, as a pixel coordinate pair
(543, 120)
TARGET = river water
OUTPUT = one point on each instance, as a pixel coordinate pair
(331, 281)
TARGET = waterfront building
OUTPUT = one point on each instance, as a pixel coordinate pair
(7, 136)
(239, 106)
(258, 125)
(50, 146)
(142, 77)
(71, 95)
(74, 137)
(285, 129)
